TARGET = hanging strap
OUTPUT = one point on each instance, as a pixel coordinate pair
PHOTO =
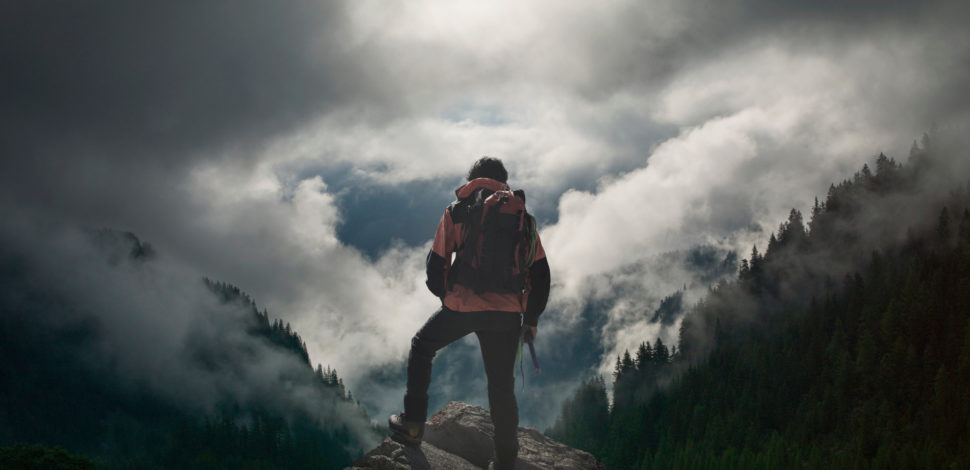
(533, 237)
(525, 336)
(518, 358)
(532, 352)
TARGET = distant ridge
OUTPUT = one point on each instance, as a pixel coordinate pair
(845, 343)
(59, 385)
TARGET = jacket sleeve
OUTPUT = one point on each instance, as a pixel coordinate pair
(539, 282)
(439, 258)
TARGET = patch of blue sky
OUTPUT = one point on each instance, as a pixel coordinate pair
(376, 215)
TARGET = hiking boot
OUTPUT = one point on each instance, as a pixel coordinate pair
(404, 431)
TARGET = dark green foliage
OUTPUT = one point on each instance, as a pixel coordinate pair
(261, 441)
(32, 457)
(831, 350)
(585, 419)
(669, 309)
(50, 395)
(277, 333)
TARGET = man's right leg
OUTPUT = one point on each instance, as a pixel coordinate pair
(443, 328)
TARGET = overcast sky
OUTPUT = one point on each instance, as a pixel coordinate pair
(304, 151)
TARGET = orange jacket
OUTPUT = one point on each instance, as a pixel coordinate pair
(462, 299)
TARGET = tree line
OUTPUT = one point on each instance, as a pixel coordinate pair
(57, 411)
(835, 347)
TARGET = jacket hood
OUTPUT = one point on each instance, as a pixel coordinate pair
(471, 186)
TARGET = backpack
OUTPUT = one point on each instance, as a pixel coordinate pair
(498, 242)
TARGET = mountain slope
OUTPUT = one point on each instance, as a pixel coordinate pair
(110, 352)
(845, 345)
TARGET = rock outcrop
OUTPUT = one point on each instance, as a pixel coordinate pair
(459, 437)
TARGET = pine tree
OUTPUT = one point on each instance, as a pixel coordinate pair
(943, 226)
(644, 355)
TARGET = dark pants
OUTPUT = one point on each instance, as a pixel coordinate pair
(498, 336)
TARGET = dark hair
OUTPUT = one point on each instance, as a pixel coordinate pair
(488, 167)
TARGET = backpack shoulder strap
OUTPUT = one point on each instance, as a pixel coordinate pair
(460, 209)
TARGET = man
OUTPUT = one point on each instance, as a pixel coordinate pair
(497, 318)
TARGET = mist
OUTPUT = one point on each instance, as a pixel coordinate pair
(143, 324)
(305, 153)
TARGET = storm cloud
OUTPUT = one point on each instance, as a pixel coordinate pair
(300, 150)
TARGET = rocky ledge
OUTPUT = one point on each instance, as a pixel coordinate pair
(459, 437)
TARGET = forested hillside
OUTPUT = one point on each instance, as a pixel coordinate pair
(248, 398)
(845, 343)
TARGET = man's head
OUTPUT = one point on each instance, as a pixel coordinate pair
(488, 167)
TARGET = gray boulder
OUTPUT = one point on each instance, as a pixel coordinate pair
(460, 437)
(391, 455)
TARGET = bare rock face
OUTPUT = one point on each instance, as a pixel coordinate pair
(462, 429)
(460, 437)
(391, 455)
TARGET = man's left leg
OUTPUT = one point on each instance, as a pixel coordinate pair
(443, 328)
(499, 344)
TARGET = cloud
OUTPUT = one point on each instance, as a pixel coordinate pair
(357, 312)
(765, 126)
(150, 325)
(253, 143)
(120, 75)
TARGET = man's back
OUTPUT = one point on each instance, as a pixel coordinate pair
(497, 315)
(460, 297)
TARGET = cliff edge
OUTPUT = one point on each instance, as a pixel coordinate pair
(459, 437)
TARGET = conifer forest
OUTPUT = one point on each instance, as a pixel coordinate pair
(56, 400)
(225, 225)
(831, 349)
